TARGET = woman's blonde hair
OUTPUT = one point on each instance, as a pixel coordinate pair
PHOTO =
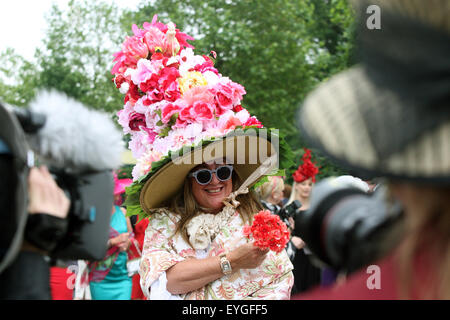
(293, 195)
(266, 190)
(186, 207)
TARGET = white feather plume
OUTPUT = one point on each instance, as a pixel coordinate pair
(75, 137)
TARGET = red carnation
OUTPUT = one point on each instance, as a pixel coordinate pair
(268, 231)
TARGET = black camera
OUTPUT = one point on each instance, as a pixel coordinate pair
(88, 183)
(289, 210)
(345, 227)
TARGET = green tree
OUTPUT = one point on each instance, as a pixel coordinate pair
(18, 78)
(78, 53)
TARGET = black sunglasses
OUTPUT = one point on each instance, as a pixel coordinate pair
(204, 176)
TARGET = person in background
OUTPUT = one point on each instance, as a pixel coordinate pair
(270, 195)
(139, 235)
(286, 193)
(391, 119)
(306, 274)
(109, 278)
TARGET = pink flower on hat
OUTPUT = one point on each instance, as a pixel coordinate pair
(168, 111)
(202, 111)
(134, 48)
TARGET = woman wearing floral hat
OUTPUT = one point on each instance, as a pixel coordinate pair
(306, 274)
(198, 154)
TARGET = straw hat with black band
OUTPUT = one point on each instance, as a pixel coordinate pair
(389, 115)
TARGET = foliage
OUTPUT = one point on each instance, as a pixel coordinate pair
(18, 78)
(278, 49)
(78, 53)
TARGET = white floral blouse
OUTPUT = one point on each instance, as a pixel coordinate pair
(273, 279)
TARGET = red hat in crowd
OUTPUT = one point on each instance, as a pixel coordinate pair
(307, 169)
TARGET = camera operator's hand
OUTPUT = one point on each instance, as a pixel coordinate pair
(44, 194)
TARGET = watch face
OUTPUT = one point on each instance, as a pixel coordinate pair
(226, 266)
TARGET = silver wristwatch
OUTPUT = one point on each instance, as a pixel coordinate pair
(225, 264)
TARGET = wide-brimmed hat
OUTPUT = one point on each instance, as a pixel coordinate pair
(390, 114)
(180, 112)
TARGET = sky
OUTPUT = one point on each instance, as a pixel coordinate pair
(26, 34)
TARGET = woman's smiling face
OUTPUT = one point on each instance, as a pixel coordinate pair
(210, 196)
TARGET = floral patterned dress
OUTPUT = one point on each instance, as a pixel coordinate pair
(273, 279)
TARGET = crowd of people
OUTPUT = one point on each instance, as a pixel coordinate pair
(191, 236)
(110, 279)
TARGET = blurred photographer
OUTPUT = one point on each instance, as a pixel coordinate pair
(60, 213)
(389, 117)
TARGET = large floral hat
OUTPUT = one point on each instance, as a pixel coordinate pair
(175, 99)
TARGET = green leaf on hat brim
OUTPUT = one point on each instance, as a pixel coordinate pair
(132, 201)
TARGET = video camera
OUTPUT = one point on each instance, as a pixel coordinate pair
(81, 147)
(345, 227)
